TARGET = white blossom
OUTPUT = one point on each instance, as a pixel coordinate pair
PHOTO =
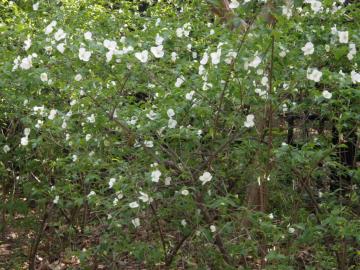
(185, 192)
(215, 57)
(145, 197)
(43, 77)
(61, 47)
(84, 55)
(112, 182)
(308, 49)
(134, 205)
(59, 35)
(355, 77)
(189, 96)
(249, 122)
(27, 44)
(343, 36)
(56, 199)
(78, 77)
(205, 177)
(155, 176)
(48, 29)
(26, 63)
(142, 56)
(179, 81)
(88, 35)
(172, 123)
(6, 148)
(326, 94)
(314, 74)
(52, 114)
(170, 113)
(234, 4)
(352, 51)
(213, 228)
(24, 141)
(136, 222)
(149, 144)
(174, 56)
(255, 62)
(151, 115)
(35, 6)
(205, 59)
(157, 51)
(159, 39)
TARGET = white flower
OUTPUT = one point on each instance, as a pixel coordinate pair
(142, 56)
(189, 96)
(170, 113)
(74, 158)
(183, 222)
(151, 115)
(271, 216)
(205, 59)
(91, 193)
(24, 141)
(234, 4)
(56, 200)
(355, 77)
(308, 49)
(291, 230)
(255, 62)
(213, 228)
(159, 39)
(215, 57)
(179, 81)
(91, 118)
(84, 55)
(134, 205)
(172, 123)
(327, 48)
(61, 47)
(112, 182)
(88, 35)
(136, 222)
(179, 32)
(35, 6)
(27, 44)
(326, 94)
(352, 51)
(205, 177)
(231, 55)
(314, 74)
(43, 77)
(78, 77)
(155, 176)
(27, 132)
(249, 122)
(157, 51)
(282, 54)
(286, 11)
(48, 29)
(87, 137)
(149, 144)
(264, 81)
(167, 181)
(174, 56)
(316, 6)
(185, 192)
(59, 35)
(52, 114)
(343, 36)
(6, 148)
(110, 45)
(144, 197)
(26, 63)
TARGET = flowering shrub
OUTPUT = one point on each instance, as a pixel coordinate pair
(160, 134)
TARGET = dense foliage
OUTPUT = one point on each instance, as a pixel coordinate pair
(180, 134)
